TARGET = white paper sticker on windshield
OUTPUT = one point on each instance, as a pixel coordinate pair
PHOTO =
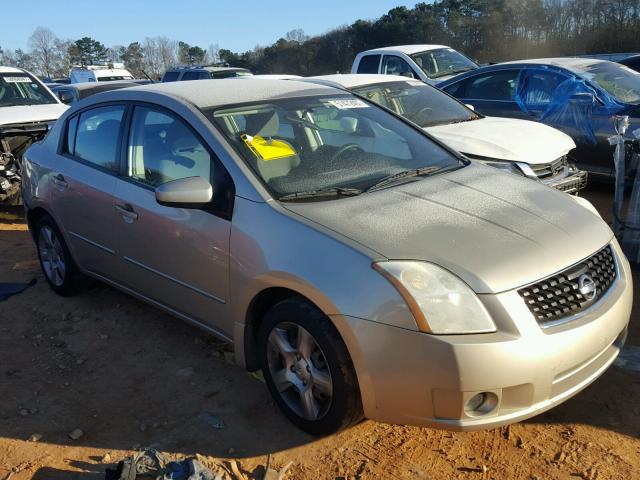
(17, 79)
(346, 103)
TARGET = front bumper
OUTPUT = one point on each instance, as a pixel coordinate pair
(571, 184)
(413, 378)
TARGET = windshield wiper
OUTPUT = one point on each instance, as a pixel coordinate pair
(322, 192)
(416, 172)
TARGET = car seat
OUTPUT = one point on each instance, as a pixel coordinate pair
(267, 125)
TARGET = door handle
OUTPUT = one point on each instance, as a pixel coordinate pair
(60, 181)
(127, 212)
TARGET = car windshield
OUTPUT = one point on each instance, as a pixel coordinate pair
(316, 143)
(231, 74)
(20, 88)
(442, 62)
(115, 77)
(619, 81)
(422, 104)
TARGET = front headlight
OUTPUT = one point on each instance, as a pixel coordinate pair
(510, 167)
(440, 302)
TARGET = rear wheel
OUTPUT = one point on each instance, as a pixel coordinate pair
(57, 265)
(308, 369)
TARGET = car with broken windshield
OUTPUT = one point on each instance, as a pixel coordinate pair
(365, 268)
(521, 147)
(27, 110)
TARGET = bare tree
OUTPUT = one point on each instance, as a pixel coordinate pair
(297, 36)
(213, 53)
(168, 52)
(42, 44)
(153, 62)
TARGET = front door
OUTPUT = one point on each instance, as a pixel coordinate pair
(177, 257)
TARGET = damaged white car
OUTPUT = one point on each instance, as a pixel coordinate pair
(27, 109)
(522, 147)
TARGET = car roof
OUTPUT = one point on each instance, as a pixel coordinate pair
(100, 85)
(407, 49)
(4, 69)
(208, 68)
(229, 91)
(573, 64)
(353, 80)
(564, 62)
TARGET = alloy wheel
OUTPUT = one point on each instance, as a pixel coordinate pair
(51, 256)
(299, 371)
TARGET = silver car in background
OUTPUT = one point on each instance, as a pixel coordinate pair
(365, 268)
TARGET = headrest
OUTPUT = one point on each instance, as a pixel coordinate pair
(265, 124)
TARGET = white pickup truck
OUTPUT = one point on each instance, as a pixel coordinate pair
(27, 109)
(429, 63)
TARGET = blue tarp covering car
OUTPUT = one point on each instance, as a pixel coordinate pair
(576, 95)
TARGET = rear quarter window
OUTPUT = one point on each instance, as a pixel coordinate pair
(170, 77)
(369, 64)
(70, 137)
(194, 75)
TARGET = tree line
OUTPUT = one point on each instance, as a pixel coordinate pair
(485, 30)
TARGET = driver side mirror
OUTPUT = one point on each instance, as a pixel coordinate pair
(470, 107)
(65, 97)
(190, 192)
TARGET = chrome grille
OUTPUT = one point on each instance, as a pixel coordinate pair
(559, 296)
(548, 170)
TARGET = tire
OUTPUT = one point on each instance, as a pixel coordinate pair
(56, 262)
(313, 381)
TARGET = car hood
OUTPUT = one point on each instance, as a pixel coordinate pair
(494, 230)
(505, 139)
(31, 113)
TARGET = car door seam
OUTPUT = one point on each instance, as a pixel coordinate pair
(175, 280)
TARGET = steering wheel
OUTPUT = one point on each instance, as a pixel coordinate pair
(345, 148)
(423, 111)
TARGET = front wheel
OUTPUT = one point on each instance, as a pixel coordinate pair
(308, 369)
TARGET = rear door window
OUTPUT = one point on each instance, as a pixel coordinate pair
(369, 64)
(493, 86)
(97, 137)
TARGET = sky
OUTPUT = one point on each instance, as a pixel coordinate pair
(234, 25)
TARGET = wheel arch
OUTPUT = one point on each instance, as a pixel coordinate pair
(35, 214)
(260, 304)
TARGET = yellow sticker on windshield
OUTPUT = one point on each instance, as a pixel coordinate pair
(267, 149)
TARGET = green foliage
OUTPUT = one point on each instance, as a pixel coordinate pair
(188, 55)
(133, 58)
(87, 51)
(486, 30)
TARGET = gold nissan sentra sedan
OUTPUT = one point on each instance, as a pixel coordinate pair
(364, 267)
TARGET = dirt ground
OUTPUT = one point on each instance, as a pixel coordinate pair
(130, 377)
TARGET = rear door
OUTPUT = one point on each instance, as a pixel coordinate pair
(176, 257)
(491, 93)
(84, 180)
